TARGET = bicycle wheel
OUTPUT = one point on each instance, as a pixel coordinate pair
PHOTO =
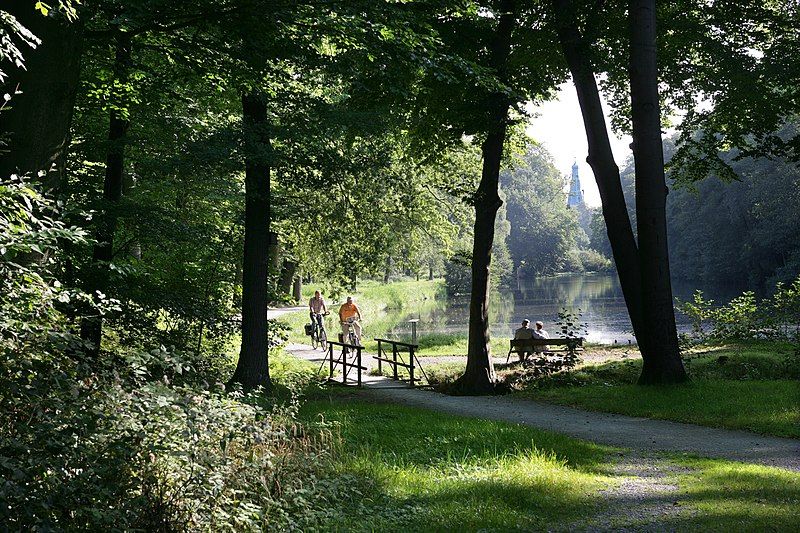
(323, 339)
(314, 334)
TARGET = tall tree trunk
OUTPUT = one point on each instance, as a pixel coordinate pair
(601, 159)
(103, 250)
(252, 369)
(287, 277)
(37, 121)
(479, 376)
(662, 362)
(297, 286)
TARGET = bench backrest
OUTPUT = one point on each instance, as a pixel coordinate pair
(524, 343)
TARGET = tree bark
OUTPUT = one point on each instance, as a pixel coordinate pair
(37, 121)
(287, 277)
(297, 286)
(605, 169)
(103, 250)
(662, 362)
(479, 376)
(252, 369)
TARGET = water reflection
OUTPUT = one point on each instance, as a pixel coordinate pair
(598, 296)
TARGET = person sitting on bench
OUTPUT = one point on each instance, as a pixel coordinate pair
(524, 333)
(540, 333)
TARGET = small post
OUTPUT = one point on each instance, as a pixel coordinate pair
(358, 355)
(394, 358)
(380, 354)
(330, 350)
(411, 363)
(414, 330)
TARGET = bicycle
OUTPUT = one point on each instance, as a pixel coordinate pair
(319, 337)
(352, 338)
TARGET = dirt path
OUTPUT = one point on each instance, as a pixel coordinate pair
(278, 311)
(641, 434)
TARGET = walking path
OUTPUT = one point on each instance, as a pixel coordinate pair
(278, 311)
(603, 428)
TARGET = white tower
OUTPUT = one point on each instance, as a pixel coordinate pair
(575, 198)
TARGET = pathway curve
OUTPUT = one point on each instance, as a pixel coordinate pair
(275, 312)
(603, 428)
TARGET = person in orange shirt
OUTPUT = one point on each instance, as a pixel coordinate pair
(350, 310)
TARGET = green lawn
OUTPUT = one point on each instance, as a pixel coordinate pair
(748, 386)
(418, 470)
(726, 496)
(425, 471)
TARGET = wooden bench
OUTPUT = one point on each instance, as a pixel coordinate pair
(570, 346)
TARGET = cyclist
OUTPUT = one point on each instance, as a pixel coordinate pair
(316, 308)
(350, 310)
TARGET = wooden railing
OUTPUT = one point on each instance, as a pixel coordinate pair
(347, 350)
(397, 349)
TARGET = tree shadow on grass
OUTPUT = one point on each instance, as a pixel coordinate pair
(430, 471)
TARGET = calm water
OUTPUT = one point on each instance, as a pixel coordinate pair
(597, 296)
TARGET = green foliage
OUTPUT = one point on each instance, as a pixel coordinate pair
(544, 232)
(744, 317)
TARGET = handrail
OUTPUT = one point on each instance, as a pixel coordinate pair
(415, 346)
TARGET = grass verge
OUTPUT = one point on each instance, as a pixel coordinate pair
(427, 471)
(418, 470)
(727, 496)
(751, 386)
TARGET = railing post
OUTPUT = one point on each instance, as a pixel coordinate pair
(380, 354)
(411, 363)
(330, 374)
(358, 355)
(344, 365)
(394, 358)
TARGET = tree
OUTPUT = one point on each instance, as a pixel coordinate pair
(103, 249)
(252, 369)
(577, 54)
(37, 119)
(543, 230)
(663, 362)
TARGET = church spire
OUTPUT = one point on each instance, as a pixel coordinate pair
(575, 198)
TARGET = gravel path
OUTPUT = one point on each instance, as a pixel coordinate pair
(641, 434)
(278, 311)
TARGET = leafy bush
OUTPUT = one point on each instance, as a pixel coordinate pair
(134, 439)
(746, 318)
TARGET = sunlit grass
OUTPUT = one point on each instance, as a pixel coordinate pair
(429, 471)
(425, 471)
(737, 497)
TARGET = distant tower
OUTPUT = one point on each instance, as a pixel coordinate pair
(575, 198)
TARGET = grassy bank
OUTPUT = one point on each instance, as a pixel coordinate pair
(385, 306)
(427, 471)
(751, 386)
(419, 470)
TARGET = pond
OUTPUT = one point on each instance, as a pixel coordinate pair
(598, 297)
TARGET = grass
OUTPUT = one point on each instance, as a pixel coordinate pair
(428, 471)
(751, 386)
(418, 470)
(730, 496)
